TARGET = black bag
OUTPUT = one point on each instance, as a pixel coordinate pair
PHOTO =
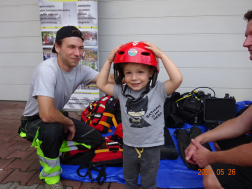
(168, 150)
(190, 106)
(172, 119)
(184, 139)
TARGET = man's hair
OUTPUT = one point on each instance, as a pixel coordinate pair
(248, 15)
(66, 31)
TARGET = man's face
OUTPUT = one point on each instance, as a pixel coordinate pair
(248, 41)
(70, 52)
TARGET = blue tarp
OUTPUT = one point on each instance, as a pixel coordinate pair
(171, 174)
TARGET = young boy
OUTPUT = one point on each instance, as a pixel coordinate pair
(141, 100)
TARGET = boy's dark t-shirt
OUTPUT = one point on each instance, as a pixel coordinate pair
(143, 120)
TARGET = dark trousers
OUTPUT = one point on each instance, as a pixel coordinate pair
(233, 176)
(52, 135)
(147, 165)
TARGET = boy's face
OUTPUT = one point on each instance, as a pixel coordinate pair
(137, 75)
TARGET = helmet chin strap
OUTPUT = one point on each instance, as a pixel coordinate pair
(131, 98)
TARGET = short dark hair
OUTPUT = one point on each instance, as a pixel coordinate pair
(248, 15)
(66, 31)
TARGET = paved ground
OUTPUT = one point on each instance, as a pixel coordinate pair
(19, 165)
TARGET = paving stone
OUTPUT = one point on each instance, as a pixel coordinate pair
(6, 145)
(71, 183)
(74, 115)
(7, 131)
(115, 185)
(16, 185)
(41, 187)
(89, 185)
(34, 186)
(19, 154)
(5, 153)
(35, 180)
(35, 166)
(6, 186)
(23, 146)
(32, 149)
(4, 121)
(18, 138)
(4, 174)
(17, 175)
(23, 165)
(68, 187)
(6, 138)
(10, 126)
(5, 162)
(7, 112)
(34, 155)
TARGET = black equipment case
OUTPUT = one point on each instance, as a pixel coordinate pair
(218, 110)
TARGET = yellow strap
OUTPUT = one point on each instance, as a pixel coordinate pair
(139, 153)
(182, 98)
(90, 122)
(106, 150)
(106, 125)
(108, 114)
(113, 118)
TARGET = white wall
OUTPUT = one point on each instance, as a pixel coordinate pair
(20, 47)
(204, 38)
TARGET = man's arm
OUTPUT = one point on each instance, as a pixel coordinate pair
(111, 79)
(240, 155)
(230, 129)
(49, 114)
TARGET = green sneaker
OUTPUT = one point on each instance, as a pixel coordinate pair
(58, 185)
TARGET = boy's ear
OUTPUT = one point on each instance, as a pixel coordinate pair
(151, 71)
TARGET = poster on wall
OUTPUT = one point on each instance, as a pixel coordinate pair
(55, 14)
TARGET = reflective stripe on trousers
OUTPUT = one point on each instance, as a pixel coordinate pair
(51, 169)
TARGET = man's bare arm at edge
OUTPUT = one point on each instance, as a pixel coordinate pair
(110, 79)
(49, 114)
(230, 129)
(240, 155)
(203, 157)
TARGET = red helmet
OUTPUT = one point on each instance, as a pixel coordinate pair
(134, 52)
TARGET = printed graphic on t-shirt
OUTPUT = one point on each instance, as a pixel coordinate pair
(136, 110)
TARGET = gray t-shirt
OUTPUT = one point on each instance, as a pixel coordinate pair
(49, 80)
(143, 120)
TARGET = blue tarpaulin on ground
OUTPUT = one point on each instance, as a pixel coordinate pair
(171, 174)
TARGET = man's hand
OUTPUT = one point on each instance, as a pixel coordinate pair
(154, 49)
(71, 129)
(189, 152)
(201, 155)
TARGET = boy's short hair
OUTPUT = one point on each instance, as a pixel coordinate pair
(248, 15)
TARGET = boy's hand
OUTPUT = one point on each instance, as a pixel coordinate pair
(154, 49)
(112, 54)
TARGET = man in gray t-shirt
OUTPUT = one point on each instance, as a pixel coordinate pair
(43, 123)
